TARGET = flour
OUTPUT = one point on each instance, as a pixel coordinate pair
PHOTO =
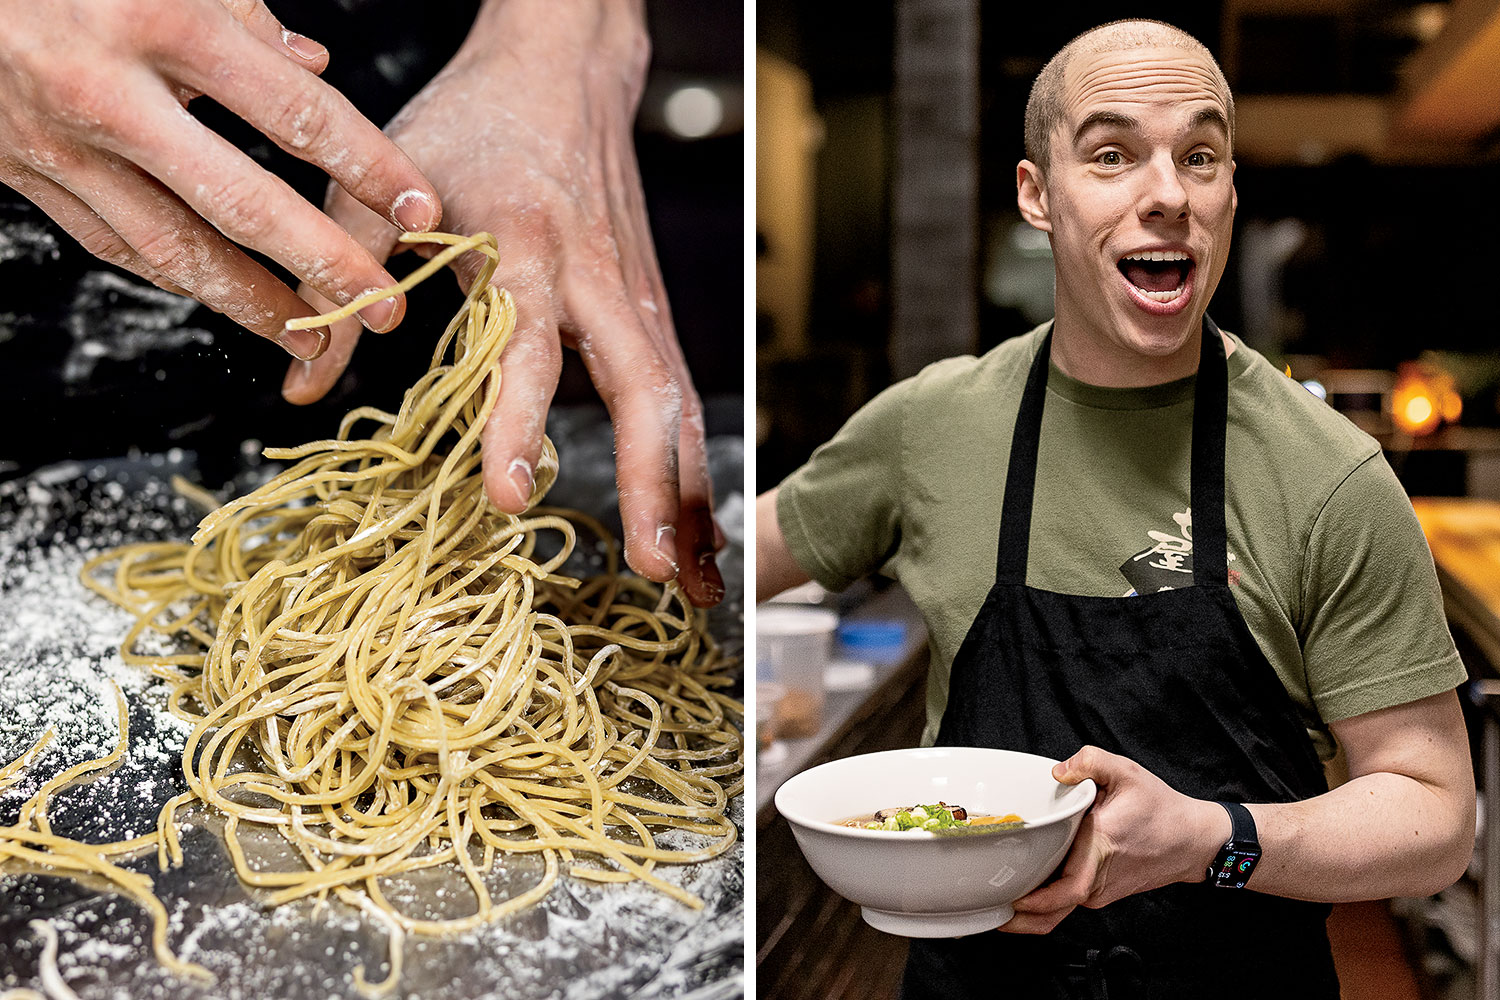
(122, 319)
(59, 666)
(33, 241)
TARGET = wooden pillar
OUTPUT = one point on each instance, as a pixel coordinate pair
(934, 213)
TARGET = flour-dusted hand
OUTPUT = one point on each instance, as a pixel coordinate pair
(94, 129)
(1139, 834)
(527, 135)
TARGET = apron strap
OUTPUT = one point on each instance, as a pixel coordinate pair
(1206, 490)
(1020, 476)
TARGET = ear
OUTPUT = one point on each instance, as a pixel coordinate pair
(1234, 194)
(1031, 196)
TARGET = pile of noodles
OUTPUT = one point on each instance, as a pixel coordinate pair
(419, 682)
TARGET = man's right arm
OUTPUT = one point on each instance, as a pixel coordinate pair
(776, 569)
(838, 517)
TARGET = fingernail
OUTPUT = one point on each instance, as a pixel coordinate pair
(413, 211)
(302, 45)
(520, 474)
(377, 316)
(304, 345)
(713, 580)
(666, 544)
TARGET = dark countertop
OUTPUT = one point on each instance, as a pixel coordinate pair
(58, 655)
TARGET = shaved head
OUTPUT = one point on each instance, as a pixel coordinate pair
(1044, 109)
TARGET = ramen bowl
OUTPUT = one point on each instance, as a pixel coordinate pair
(919, 883)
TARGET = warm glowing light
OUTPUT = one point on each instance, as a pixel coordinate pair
(1424, 397)
(1452, 407)
(1418, 409)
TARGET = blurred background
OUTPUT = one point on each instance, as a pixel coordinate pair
(887, 237)
(1368, 147)
(99, 364)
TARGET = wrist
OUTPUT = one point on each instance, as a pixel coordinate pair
(1209, 828)
(591, 35)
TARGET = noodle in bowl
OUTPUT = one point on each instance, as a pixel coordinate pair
(922, 884)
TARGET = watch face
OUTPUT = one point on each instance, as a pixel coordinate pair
(1233, 867)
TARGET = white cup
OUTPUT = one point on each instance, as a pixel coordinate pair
(794, 643)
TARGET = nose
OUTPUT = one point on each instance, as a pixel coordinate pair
(1163, 196)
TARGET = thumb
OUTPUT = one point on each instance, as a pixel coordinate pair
(309, 381)
(1088, 762)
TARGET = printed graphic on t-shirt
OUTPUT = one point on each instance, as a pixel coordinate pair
(1168, 562)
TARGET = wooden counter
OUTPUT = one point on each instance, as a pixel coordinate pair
(812, 944)
(1464, 535)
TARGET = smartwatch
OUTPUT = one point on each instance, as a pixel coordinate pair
(1236, 860)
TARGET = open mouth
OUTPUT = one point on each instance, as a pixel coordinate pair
(1158, 275)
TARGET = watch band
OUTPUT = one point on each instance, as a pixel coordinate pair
(1242, 824)
(1236, 860)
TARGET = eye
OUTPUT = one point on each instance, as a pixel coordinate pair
(1111, 158)
(1199, 158)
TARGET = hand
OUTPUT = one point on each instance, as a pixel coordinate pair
(93, 129)
(1139, 834)
(527, 135)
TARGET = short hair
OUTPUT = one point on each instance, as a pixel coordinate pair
(1044, 108)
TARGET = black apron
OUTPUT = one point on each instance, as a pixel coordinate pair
(1173, 680)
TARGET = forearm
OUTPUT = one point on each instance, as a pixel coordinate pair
(775, 567)
(1396, 832)
(601, 35)
(1379, 835)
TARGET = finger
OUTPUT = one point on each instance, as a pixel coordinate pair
(1067, 891)
(256, 209)
(84, 225)
(699, 575)
(307, 118)
(261, 23)
(309, 381)
(176, 243)
(512, 440)
(1091, 762)
(633, 254)
(644, 398)
(1035, 923)
(1081, 872)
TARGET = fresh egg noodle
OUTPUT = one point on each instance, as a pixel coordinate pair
(419, 681)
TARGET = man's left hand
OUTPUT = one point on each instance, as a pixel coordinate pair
(1139, 834)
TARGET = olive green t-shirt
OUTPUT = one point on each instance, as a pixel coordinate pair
(1326, 559)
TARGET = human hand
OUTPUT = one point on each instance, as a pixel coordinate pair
(527, 135)
(94, 130)
(1139, 834)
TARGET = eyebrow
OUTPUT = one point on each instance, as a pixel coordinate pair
(1114, 119)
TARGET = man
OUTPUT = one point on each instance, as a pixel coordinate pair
(1280, 594)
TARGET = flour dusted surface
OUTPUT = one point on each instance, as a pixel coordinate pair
(58, 657)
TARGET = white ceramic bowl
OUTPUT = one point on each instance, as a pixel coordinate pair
(920, 884)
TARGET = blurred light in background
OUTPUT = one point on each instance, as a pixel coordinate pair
(694, 112)
(1423, 398)
(1428, 20)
